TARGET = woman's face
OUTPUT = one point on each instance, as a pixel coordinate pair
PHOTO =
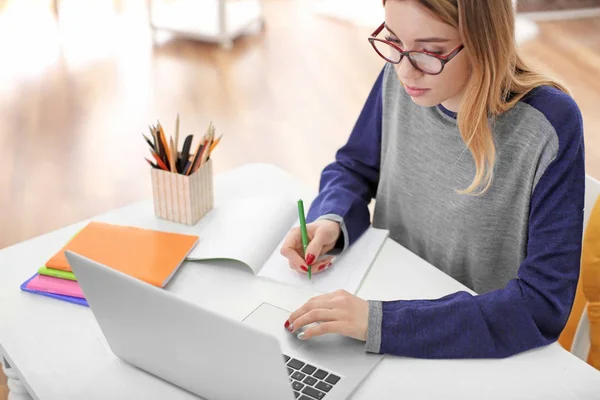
(410, 26)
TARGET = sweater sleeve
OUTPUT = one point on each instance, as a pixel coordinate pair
(349, 183)
(532, 309)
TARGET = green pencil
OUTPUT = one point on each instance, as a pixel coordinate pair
(303, 232)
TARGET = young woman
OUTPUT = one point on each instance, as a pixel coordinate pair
(476, 164)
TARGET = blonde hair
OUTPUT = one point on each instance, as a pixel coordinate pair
(499, 77)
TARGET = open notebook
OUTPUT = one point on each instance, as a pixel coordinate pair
(251, 229)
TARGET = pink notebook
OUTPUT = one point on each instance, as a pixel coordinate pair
(50, 284)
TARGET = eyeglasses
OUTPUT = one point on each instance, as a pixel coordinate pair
(424, 61)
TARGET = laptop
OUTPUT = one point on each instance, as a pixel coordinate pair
(212, 356)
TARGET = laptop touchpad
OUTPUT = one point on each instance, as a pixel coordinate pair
(270, 319)
(344, 355)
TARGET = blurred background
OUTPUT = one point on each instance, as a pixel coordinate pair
(81, 80)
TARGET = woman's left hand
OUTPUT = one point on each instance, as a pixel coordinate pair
(337, 312)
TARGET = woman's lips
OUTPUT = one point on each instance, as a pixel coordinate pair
(415, 91)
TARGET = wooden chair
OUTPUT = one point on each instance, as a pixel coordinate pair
(581, 335)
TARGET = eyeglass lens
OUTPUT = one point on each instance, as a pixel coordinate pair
(422, 61)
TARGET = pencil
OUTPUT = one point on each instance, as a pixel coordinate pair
(167, 150)
(153, 137)
(148, 141)
(195, 157)
(160, 162)
(151, 163)
(213, 145)
(173, 155)
(176, 150)
(210, 134)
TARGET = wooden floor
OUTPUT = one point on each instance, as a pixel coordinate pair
(76, 95)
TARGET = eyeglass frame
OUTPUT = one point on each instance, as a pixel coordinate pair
(444, 59)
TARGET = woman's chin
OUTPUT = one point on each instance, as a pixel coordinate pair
(425, 101)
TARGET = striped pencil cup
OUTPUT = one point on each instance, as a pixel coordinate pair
(180, 198)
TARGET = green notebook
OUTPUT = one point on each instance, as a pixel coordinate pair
(57, 273)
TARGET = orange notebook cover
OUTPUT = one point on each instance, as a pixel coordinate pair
(149, 255)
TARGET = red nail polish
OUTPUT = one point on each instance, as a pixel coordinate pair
(310, 258)
(329, 265)
(287, 323)
(303, 268)
(322, 267)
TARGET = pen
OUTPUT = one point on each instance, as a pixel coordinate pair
(303, 232)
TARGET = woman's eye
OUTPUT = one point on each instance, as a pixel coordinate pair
(434, 51)
(392, 39)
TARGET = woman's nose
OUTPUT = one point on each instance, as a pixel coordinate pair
(406, 71)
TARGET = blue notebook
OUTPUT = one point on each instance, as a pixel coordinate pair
(76, 300)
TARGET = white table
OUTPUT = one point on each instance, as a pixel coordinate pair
(56, 351)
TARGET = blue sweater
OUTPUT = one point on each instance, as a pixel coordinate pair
(518, 246)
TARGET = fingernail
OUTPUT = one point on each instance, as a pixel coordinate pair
(310, 258)
(303, 268)
(291, 328)
(300, 336)
(324, 266)
(287, 323)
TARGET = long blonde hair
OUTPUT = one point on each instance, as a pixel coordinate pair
(499, 77)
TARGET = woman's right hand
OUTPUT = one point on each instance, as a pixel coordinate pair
(322, 236)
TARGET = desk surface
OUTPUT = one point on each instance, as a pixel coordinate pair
(59, 351)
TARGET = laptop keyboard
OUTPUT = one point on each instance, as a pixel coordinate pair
(308, 381)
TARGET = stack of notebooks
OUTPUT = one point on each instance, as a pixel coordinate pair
(150, 255)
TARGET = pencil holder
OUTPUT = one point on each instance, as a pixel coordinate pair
(180, 198)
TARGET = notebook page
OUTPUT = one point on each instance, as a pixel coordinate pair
(247, 230)
(348, 272)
